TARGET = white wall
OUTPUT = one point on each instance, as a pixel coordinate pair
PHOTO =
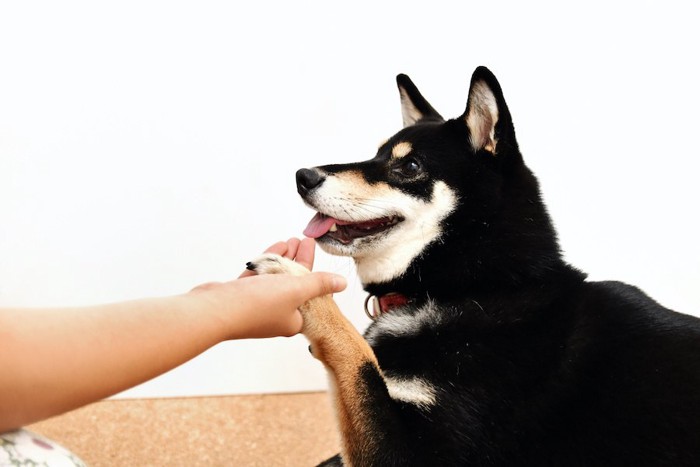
(146, 147)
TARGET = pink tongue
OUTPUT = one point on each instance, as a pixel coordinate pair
(320, 224)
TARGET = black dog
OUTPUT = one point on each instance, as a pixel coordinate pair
(487, 349)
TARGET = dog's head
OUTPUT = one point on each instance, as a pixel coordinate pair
(438, 196)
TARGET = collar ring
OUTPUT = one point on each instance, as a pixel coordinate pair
(376, 310)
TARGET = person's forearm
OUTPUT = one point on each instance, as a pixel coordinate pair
(57, 360)
(54, 360)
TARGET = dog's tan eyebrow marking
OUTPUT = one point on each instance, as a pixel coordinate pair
(401, 149)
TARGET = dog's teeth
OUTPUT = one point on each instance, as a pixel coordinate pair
(334, 228)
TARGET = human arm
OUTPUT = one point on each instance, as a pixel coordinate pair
(55, 360)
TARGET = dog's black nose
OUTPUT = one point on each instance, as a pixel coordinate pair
(307, 180)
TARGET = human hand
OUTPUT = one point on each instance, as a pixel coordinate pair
(266, 306)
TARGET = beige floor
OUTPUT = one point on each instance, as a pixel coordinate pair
(259, 430)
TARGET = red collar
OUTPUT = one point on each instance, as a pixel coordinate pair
(384, 304)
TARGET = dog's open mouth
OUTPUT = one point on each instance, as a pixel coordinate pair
(344, 231)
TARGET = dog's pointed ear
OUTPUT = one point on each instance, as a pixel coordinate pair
(487, 115)
(414, 107)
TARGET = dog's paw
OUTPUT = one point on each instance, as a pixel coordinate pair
(270, 263)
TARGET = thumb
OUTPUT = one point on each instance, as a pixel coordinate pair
(321, 283)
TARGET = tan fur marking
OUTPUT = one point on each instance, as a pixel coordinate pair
(359, 189)
(401, 149)
(343, 351)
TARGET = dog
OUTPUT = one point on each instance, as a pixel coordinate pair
(487, 348)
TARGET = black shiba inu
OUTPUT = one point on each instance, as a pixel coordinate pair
(487, 349)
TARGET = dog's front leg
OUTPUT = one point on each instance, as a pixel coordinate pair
(362, 402)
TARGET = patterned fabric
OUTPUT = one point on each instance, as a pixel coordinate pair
(24, 448)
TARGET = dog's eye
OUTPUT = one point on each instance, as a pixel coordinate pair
(408, 168)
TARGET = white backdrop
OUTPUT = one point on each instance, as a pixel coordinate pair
(146, 147)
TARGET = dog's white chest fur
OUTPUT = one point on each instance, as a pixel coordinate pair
(412, 390)
(404, 323)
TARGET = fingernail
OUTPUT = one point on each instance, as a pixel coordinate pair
(339, 283)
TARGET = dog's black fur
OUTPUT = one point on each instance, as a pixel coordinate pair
(533, 364)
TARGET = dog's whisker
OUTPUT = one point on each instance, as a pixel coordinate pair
(370, 209)
(374, 200)
(369, 206)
